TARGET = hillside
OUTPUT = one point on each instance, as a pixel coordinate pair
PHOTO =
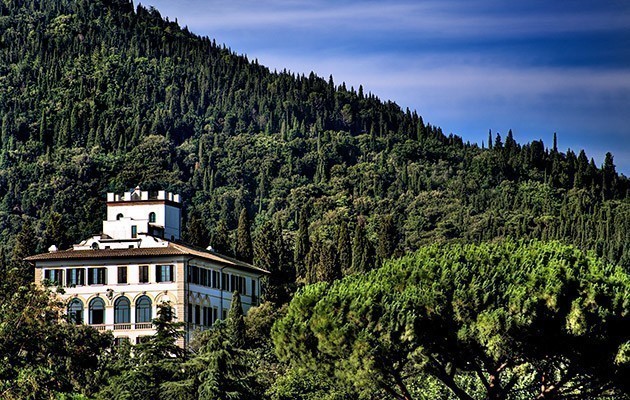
(97, 96)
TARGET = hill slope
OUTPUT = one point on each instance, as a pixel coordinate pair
(97, 96)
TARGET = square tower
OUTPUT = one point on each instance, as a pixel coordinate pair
(137, 212)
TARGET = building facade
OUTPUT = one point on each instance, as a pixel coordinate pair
(115, 280)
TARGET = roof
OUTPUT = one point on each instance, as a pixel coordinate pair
(173, 249)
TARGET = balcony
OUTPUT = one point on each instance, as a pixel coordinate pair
(125, 327)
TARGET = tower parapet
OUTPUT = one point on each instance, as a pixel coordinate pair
(139, 212)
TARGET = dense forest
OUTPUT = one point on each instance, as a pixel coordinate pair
(300, 175)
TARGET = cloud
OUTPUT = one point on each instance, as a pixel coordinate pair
(427, 18)
(533, 66)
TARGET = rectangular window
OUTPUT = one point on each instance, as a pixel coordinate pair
(215, 279)
(242, 285)
(122, 274)
(134, 231)
(96, 276)
(225, 313)
(215, 315)
(198, 315)
(225, 282)
(207, 315)
(238, 284)
(55, 276)
(75, 277)
(190, 313)
(195, 275)
(253, 292)
(143, 274)
(164, 273)
(204, 277)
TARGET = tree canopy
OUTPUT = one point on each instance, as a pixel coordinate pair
(505, 319)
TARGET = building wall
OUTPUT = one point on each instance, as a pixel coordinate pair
(180, 292)
(137, 213)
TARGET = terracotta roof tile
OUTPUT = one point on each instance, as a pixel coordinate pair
(172, 249)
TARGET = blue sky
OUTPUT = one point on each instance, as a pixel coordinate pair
(536, 67)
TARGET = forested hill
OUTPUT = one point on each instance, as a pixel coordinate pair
(100, 96)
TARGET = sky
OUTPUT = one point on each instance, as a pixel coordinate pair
(536, 67)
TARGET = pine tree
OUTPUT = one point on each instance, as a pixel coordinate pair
(228, 374)
(244, 247)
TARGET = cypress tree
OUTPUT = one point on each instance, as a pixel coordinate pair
(196, 232)
(265, 252)
(220, 240)
(55, 232)
(609, 177)
(235, 322)
(387, 238)
(362, 251)
(244, 247)
(302, 246)
(344, 248)
(312, 263)
(25, 245)
(328, 269)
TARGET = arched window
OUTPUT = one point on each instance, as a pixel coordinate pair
(97, 311)
(152, 217)
(121, 311)
(119, 216)
(75, 311)
(143, 309)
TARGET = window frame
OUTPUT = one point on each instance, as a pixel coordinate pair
(122, 311)
(142, 311)
(75, 277)
(91, 310)
(164, 273)
(143, 274)
(122, 272)
(73, 312)
(100, 273)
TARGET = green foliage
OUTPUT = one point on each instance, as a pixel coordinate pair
(244, 247)
(97, 96)
(141, 372)
(220, 240)
(235, 324)
(221, 367)
(41, 355)
(537, 318)
(363, 257)
(302, 247)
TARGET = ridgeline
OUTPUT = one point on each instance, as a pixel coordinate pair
(100, 96)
